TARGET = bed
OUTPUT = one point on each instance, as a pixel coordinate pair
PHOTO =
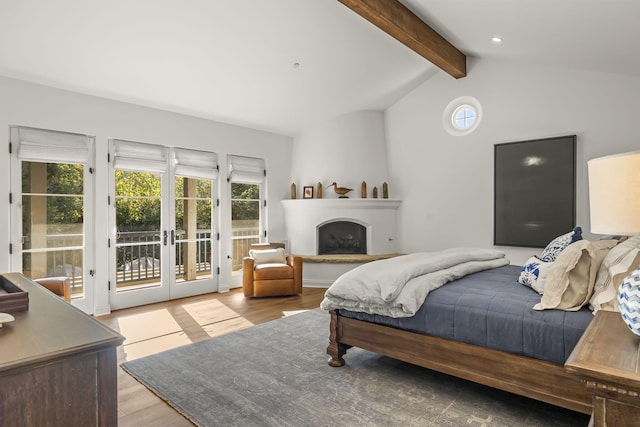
(467, 322)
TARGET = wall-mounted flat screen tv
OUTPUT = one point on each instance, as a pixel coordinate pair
(534, 191)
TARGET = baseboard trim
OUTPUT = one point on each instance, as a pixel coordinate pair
(317, 283)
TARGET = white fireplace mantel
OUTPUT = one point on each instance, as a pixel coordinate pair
(304, 216)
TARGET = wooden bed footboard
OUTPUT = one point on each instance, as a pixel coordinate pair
(536, 379)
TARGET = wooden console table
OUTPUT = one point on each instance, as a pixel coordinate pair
(58, 366)
(607, 359)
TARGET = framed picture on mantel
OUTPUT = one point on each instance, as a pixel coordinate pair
(307, 192)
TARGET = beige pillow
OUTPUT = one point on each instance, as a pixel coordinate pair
(617, 265)
(268, 256)
(572, 275)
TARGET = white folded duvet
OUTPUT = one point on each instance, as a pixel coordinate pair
(397, 287)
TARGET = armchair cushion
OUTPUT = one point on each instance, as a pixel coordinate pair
(268, 256)
(272, 271)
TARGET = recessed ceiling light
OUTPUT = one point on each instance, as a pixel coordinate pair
(496, 39)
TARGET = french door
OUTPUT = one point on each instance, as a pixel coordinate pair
(162, 246)
(51, 208)
(247, 176)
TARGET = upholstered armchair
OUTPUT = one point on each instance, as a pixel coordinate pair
(60, 286)
(268, 271)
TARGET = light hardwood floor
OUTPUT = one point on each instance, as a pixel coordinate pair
(157, 327)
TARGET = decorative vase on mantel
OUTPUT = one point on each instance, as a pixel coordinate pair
(629, 301)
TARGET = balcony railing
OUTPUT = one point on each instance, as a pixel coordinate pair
(137, 255)
(61, 256)
(242, 239)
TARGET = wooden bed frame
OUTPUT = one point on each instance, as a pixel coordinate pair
(536, 379)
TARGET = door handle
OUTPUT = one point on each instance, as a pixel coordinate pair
(164, 237)
(173, 237)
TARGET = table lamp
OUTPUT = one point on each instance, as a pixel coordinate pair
(614, 195)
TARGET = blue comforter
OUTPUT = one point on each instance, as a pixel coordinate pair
(491, 309)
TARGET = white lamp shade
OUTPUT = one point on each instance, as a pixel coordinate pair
(614, 194)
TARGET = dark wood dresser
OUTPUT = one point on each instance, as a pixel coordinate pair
(58, 366)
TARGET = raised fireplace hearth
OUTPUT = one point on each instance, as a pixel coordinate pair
(305, 218)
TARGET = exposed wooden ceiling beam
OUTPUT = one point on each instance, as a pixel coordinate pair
(395, 19)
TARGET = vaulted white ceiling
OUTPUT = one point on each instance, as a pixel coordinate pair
(233, 61)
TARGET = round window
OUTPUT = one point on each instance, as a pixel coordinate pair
(462, 116)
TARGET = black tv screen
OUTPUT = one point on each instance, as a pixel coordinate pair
(534, 191)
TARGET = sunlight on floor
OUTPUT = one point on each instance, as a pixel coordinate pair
(227, 326)
(144, 326)
(216, 318)
(292, 312)
(154, 331)
(155, 345)
(207, 312)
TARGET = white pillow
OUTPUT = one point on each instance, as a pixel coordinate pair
(268, 256)
(572, 275)
(619, 262)
(534, 274)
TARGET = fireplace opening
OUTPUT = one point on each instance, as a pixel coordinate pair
(342, 237)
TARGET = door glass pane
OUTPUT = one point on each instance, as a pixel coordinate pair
(138, 222)
(245, 220)
(53, 221)
(193, 228)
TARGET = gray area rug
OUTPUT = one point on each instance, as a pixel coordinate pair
(276, 374)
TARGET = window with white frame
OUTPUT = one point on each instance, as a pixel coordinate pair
(52, 216)
(462, 116)
(195, 174)
(246, 178)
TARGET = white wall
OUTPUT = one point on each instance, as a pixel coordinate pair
(38, 106)
(347, 149)
(446, 182)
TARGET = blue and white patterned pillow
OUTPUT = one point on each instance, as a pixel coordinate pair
(534, 273)
(550, 253)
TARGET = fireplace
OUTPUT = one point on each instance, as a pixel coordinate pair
(342, 237)
(375, 220)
